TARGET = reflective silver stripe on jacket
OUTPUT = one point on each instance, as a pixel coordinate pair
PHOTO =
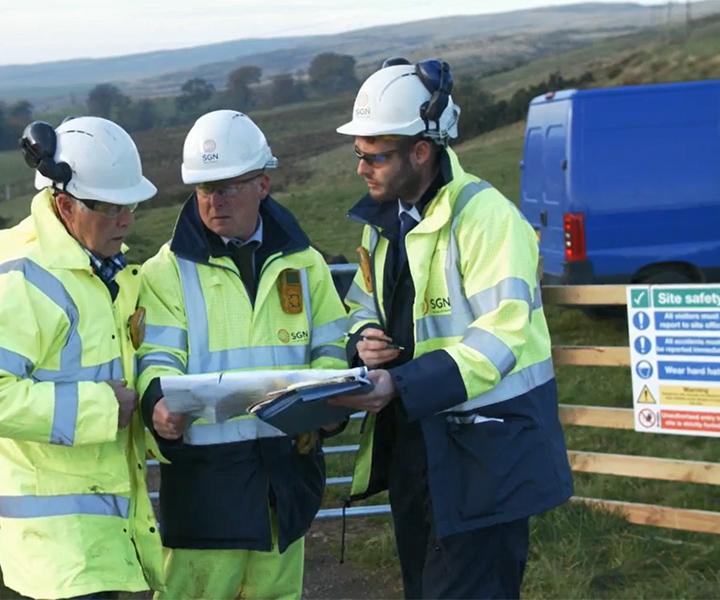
(307, 300)
(15, 364)
(510, 386)
(510, 288)
(328, 351)
(321, 336)
(330, 332)
(104, 372)
(65, 414)
(165, 335)
(325, 336)
(367, 311)
(492, 347)
(26, 507)
(71, 369)
(253, 358)
(160, 359)
(236, 430)
(195, 312)
(50, 286)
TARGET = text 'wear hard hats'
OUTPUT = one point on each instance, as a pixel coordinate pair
(104, 160)
(389, 103)
(224, 144)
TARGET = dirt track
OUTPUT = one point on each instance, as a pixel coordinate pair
(326, 578)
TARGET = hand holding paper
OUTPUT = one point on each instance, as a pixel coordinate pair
(167, 424)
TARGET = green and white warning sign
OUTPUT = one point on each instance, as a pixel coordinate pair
(675, 358)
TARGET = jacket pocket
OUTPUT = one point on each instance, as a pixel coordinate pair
(498, 463)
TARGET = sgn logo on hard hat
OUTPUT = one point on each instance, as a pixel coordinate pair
(362, 106)
(208, 154)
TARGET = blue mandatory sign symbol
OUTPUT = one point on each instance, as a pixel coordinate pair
(641, 320)
(643, 345)
(644, 369)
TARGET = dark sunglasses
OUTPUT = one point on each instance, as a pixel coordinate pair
(375, 158)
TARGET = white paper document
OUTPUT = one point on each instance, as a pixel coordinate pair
(217, 397)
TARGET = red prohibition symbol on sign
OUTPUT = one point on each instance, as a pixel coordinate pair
(647, 417)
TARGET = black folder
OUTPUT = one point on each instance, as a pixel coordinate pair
(306, 409)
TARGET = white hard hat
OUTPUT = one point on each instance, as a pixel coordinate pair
(391, 101)
(104, 161)
(224, 144)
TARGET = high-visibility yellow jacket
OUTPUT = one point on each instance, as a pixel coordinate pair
(481, 380)
(75, 517)
(200, 319)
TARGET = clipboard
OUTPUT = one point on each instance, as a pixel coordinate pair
(305, 408)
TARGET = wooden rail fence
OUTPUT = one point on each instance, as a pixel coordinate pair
(645, 467)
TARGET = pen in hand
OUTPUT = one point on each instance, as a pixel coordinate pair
(390, 345)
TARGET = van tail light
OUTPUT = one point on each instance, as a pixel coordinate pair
(574, 236)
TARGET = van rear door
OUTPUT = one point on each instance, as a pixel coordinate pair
(543, 187)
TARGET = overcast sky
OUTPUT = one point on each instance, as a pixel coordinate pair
(46, 30)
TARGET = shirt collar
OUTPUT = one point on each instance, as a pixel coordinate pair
(257, 236)
(106, 268)
(410, 209)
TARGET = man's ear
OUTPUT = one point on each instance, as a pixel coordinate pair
(64, 205)
(422, 152)
(264, 185)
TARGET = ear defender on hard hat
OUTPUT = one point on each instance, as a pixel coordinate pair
(438, 80)
(406, 99)
(395, 60)
(90, 158)
(38, 144)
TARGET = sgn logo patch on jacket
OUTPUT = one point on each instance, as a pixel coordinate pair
(286, 336)
(437, 305)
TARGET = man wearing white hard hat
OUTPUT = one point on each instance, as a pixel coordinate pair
(238, 287)
(75, 516)
(463, 428)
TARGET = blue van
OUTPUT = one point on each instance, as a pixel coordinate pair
(623, 184)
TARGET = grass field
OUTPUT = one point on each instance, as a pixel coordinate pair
(576, 552)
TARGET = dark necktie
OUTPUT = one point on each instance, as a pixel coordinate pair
(407, 222)
(243, 256)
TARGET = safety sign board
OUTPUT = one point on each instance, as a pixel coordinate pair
(675, 358)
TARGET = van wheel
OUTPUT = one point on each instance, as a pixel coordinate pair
(667, 276)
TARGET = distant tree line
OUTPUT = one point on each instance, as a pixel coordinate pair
(245, 90)
(482, 113)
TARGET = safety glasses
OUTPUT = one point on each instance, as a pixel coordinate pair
(107, 209)
(375, 158)
(225, 190)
